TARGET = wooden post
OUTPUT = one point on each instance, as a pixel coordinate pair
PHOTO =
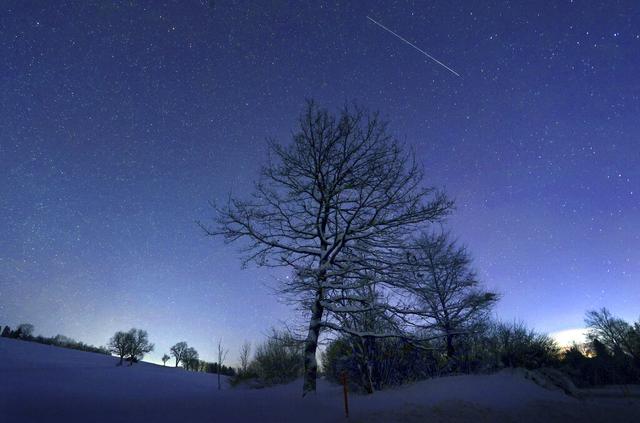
(343, 378)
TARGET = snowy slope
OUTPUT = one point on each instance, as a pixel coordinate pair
(46, 383)
(40, 383)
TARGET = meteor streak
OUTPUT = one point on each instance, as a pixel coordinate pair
(416, 47)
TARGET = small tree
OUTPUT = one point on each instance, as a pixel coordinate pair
(165, 358)
(245, 355)
(6, 332)
(177, 351)
(120, 344)
(139, 345)
(222, 356)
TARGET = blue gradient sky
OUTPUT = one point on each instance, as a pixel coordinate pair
(119, 122)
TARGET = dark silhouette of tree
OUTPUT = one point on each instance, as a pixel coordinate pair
(446, 288)
(132, 345)
(190, 359)
(139, 345)
(333, 205)
(119, 344)
(614, 333)
(6, 332)
(222, 356)
(165, 358)
(177, 351)
(245, 356)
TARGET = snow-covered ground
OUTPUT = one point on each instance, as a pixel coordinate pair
(40, 383)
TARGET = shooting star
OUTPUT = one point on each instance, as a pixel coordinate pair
(416, 47)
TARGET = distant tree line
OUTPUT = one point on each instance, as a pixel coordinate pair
(25, 331)
(612, 354)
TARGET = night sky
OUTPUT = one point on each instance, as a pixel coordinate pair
(119, 122)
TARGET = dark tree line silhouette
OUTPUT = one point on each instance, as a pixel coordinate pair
(25, 331)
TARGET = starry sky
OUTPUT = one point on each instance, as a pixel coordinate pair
(120, 121)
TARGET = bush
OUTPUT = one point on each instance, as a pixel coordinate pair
(514, 345)
(278, 360)
(250, 375)
(374, 363)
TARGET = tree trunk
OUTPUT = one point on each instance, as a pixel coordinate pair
(450, 350)
(360, 351)
(311, 345)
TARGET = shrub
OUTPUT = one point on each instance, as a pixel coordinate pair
(278, 360)
(374, 363)
(514, 345)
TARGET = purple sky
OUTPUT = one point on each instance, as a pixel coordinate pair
(119, 123)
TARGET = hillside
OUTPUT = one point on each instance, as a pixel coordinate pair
(45, 383)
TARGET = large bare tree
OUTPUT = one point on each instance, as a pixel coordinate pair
(334, 205)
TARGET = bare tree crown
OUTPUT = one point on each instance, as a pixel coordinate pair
(342, 186)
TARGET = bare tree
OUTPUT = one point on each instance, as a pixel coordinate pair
(446, 288)
(222, 356)
(120, 344)
(190, 359)
(334, 206)
(613, 332)
(245, 356)
(139, 345)
(165, 358)
(177, 351)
